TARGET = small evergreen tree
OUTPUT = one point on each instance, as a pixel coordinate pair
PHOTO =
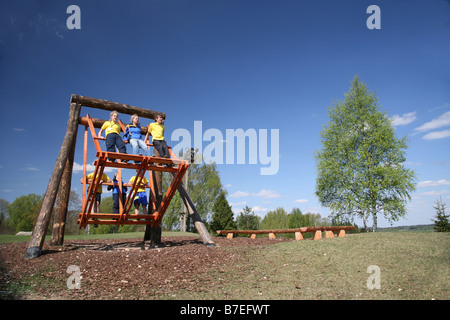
(248, 220)
(441, 224)
(223, 217)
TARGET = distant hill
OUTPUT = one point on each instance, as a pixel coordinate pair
(418, 227)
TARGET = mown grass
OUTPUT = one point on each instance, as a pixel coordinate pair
(413, 265)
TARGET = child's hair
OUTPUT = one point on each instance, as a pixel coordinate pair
(132, 117)
(157, 116)
(112, 112)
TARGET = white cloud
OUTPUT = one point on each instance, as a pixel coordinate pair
(429, 183)
(412, 163)
(435, 193)
(267, 194)
(439, 107)
(258, 209)
(77, 168)
(239, 194)
(30, 169)
(18, 129)
(437, 135)
(264, 193)
(242, 203)
(301, 201)
(439, 122)
(404, 119)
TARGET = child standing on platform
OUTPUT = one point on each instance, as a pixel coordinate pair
(112, 135)
(115, 190)
(141, 195)
(156, 130)
(133, 135)
(98, 194)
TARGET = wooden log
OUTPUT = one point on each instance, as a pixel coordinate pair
(230, 236)
(317, 235)
(298, 236)
(272, 236)
(59, 221)
(119, 107)
(198, 223)
(329, 234)
(154, 233)
(253, 236)
(40, 229)
(341, 233)
(303, 229)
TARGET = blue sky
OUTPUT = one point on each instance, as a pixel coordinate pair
(229, 64)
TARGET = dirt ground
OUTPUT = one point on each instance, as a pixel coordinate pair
(120, 268)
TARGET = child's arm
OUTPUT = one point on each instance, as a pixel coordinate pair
(147, 135)
(125, 136)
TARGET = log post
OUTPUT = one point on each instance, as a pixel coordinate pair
(272, 236)
(198, 223)
(59, 221)
(298, 236)
(154, 233)
(341, 233)
(317, 235)
(40, 229)
(329, 234)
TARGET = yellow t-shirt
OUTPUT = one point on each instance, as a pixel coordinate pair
(111, 127)
(143, 181)
(104, 178)
(156, 130)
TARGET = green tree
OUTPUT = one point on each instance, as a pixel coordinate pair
(296, 219)
(360, 166)
(204, 187)
(248, 220)
(223, 217)
(276, 219)
(441, 224)
(23, 212)
(3, 214)
(73, 210)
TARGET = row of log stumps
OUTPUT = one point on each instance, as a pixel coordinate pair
(317, 231)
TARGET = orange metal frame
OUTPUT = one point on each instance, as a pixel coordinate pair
(146, 164)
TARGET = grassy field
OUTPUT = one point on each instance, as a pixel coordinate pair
(413, 265)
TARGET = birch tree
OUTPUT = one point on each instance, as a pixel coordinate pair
(360, 168)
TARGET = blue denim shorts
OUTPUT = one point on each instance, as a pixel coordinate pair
(141, 198)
